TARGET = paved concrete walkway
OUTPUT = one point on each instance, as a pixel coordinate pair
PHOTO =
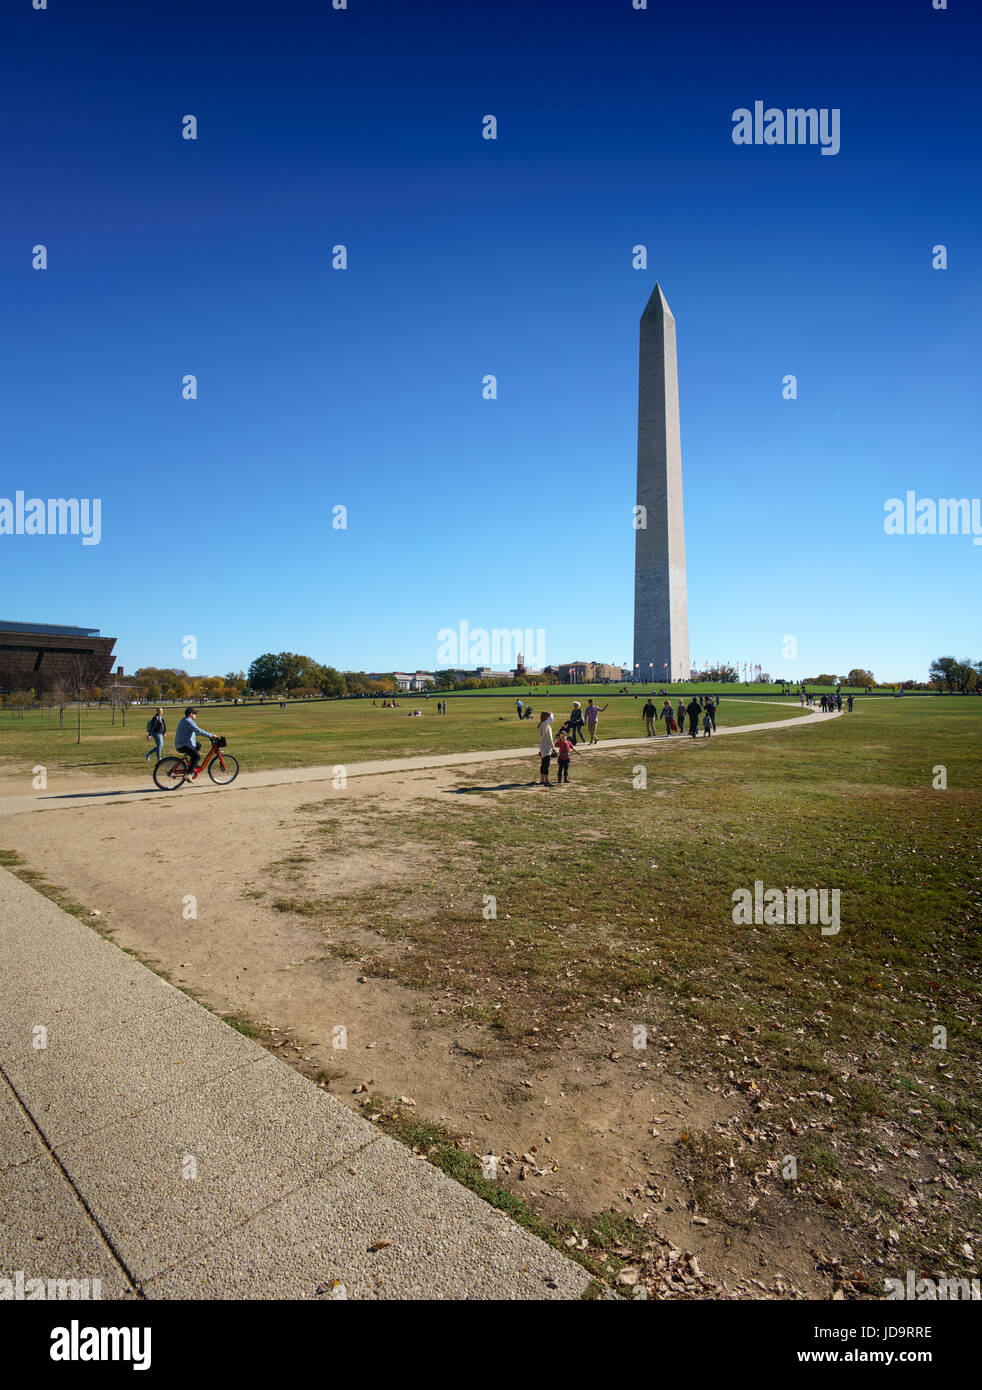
(150, 1146)
(53, 799)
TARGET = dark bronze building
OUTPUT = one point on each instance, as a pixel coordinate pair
(39, 656)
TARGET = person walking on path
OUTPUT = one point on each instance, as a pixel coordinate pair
(593, 713)
(693, 710)
(564, 747)
(668, 715)
(547, 746)
(707, 722)
(712, 705)
(156, 728)
(519, 706)
(680, 716)
(849, 705)
(648, 715)
(576, 722)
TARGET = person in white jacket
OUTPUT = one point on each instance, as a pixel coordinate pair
(547, 746)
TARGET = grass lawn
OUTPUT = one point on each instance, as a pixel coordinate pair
(323, 732)
(616, 901)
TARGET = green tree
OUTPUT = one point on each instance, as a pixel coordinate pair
(331, 681)
(264, 673)
(957, 675)
(857, 676)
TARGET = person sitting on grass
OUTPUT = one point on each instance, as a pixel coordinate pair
(185, 739)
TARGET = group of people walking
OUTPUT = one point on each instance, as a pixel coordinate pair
(829, 703)
(695, 712)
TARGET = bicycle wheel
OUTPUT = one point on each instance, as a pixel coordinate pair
(169, 774)
(223, 772)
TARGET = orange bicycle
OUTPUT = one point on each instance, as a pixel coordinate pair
(171, 773)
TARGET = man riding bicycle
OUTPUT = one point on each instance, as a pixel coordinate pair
(185, 738)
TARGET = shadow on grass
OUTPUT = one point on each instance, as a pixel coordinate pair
(499, 787)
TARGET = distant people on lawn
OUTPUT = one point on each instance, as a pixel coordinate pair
(593, 713)
(707, 722)
(849, 705)
(547, 747)
(693, 710)
(648, 714)
(576, 722)
(156, 728)
(564, 748)
(680, 716)
(519, 705)
(668, 716)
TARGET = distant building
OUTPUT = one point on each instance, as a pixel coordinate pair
(419, 680)
(38, 656)
(589, 672)
(480, 673)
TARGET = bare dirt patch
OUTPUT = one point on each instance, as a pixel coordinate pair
(232, 897)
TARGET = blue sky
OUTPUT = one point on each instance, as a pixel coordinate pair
(363, 387)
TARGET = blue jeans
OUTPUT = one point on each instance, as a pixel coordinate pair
(159, 741)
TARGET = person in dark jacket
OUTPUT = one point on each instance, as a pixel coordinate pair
(693, 709)
(648, 715)
(576, 722)
(156, 728)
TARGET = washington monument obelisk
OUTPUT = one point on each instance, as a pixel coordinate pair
(661, 610)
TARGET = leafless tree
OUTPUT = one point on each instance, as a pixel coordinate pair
(77, 689)
(117, 697)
